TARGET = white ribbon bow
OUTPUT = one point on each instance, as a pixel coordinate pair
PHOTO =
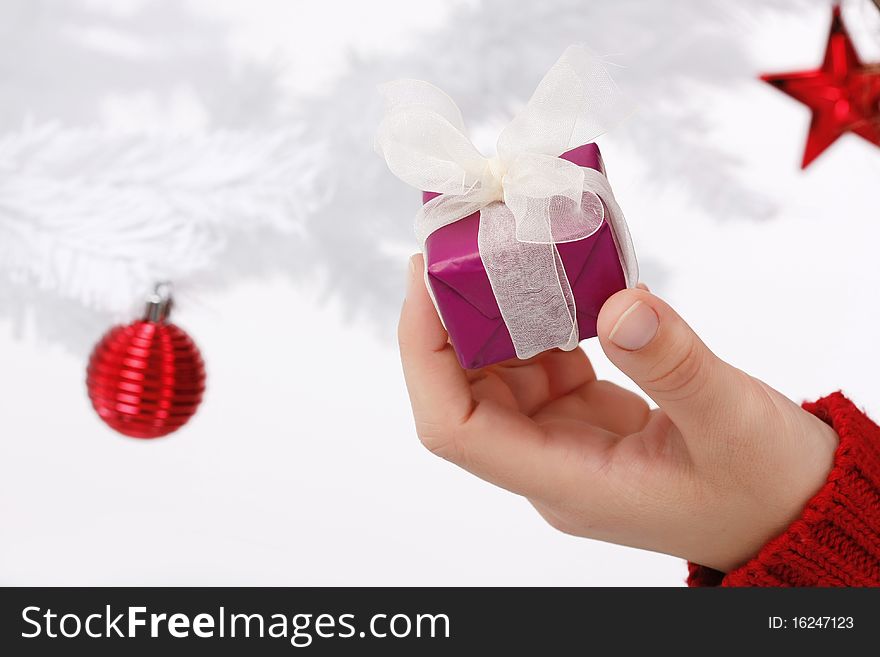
(528, 198)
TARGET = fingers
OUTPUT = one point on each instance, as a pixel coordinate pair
(646, 339)
(566, 371)
(486, 436)
(534, 382)
(437, 385)
(510, 450)
(601, 404)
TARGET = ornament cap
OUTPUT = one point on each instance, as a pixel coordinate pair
(159, 303)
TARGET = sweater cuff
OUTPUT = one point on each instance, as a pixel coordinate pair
(836, 541)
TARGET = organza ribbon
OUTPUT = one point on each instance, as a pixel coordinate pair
(528, 198)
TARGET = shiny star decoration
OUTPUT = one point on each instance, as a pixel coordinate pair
(843, 94)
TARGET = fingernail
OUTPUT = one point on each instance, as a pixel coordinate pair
(636, 327)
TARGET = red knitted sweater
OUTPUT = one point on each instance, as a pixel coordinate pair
(836, 541)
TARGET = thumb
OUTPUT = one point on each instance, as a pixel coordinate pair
(651, 344)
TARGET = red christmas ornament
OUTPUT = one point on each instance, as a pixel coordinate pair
(146, 379)
(843, 94)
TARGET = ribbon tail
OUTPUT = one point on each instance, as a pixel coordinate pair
(530, 285)
(596, 182)
(568, 294)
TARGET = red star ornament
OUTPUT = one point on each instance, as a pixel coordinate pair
(844, 94)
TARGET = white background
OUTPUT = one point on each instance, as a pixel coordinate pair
(302, 467)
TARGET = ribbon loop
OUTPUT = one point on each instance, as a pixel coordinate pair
(544, 194)
(573, 104)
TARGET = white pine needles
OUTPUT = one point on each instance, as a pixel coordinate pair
(96, 217)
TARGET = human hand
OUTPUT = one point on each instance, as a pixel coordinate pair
(725, 464)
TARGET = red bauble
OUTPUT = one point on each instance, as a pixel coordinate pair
(844, 94)
(146, 379)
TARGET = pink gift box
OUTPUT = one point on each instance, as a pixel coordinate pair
(464, 296)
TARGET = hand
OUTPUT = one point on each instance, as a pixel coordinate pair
(724, 465)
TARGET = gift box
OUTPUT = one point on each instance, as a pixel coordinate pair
(464, 296)
(522, 248)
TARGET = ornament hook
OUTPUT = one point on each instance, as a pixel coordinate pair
(159, 303)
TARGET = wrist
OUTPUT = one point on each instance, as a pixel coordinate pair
(834, 541)
(785, 486)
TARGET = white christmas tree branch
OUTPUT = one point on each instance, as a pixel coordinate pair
(96, 216)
